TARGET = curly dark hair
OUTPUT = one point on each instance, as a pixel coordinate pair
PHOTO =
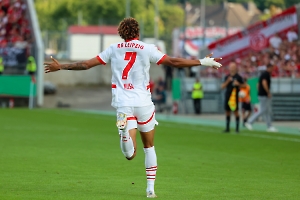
(129, 29)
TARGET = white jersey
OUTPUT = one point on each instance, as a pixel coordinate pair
(130, 64)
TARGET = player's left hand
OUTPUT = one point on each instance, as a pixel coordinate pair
(211, 62)
(53, 66)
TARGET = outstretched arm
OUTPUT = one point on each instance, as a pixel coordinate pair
(181, 62)
(81, 65)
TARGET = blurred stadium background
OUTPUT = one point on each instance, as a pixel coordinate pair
(75, 30)
(70, 30)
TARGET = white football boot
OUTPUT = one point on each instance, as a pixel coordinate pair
(151, 194)
(121, 121)
(272, 129)
(248, 126)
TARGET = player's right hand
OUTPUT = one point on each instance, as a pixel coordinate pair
(211, 62)
(52, 66)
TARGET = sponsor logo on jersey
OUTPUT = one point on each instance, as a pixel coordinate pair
(130, 45)
(128, 86)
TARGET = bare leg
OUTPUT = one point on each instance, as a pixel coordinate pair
(148, 138)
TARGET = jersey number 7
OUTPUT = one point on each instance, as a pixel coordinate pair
(131, 56)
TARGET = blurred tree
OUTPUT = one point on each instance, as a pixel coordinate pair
(289, 3)
(147, 17)
(262, 5)
(207, 2)
(172, 17)
(57, 15)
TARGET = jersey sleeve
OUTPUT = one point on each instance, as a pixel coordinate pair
(104, 56)
(156, 56)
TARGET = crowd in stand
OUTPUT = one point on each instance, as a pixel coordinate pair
(15, 34)
(283, 52)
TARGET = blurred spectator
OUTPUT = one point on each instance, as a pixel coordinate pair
(197, 95)
(168, 77)
(244, 98)
(275, 41)
(31, 67)
(285, 58)
(1, 65)
(160, 97)
(160, 82)
(232, 83)
(292, 35)
(15, 34)
(264, 96)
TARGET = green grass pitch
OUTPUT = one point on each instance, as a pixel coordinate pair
(61, 154)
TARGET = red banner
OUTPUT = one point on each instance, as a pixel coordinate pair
(255, 37)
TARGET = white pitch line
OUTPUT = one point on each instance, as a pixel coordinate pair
(191, 127)
(271, 137)
(241, 134)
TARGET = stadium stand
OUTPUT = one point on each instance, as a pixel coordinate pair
(15, 36)
(286, 59)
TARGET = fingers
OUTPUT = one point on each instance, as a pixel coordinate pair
(217, 59)
(54, 60)
(217, 65)
(47, 63)
(47, 70)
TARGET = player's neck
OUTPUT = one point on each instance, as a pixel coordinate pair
(131, 39)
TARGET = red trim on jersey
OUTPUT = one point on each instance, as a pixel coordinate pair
(162, 59)
(100, 60)
(131, 39)
(131, 118)
(146, 122)
(148, 87)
